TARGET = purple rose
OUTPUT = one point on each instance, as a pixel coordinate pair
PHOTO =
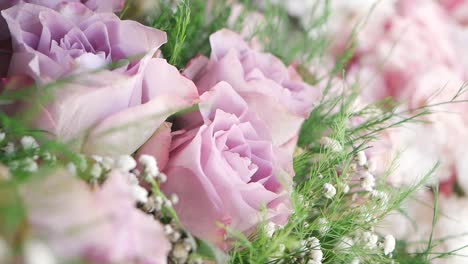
(102, 225)
(276, 93)
(49, 44)
(96, 5)
(110, 112)
(226, 171)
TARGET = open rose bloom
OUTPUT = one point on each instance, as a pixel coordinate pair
(227, 172)
(107, 112)
(275, 92)
(231, 162)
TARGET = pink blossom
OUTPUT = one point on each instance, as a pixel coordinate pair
(272, 90)
(100, 225)
(398, 54)
(226, 172)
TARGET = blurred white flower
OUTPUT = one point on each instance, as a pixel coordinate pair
(367, 181)
(329, 190)
(389, 244)
(28, 143)
(126, 163)
(150, 165)
(36, 252)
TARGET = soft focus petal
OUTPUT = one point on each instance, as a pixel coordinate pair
(101, 225)
(164, 92)
(78, 106)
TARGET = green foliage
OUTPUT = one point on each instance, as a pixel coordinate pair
(315, 167)
(286, 38)
(189, 28)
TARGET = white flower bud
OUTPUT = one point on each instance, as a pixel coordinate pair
(96, 171)
(316, 253)
(36, 252)
(270, 229)
(362, 159)
(179, 252)
(370, 240)
(47, 156)
(140, 194)
(346, 188)
(97, 158)
(29, 165)
(168, 229)
(28, 143)
(329, 190)
(167, 203)
(174, 198)
(150, 165)
(389, 244)
(107, 163)
(162, 177)
(9, 148)
(2, 136)
(324, 226)
(126, 163)
(367, 181)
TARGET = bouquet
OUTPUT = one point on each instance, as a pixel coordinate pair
(224, 132)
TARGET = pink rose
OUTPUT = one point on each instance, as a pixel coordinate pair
(425, 145)
(102, 226)
(394, 51)
(226, 171)
(273, 91)
(110, 112)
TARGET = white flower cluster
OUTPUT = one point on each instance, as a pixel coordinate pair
(182, 245)
(389, 244)
(364, 168)
(23, 155)
(271, 228)
(370, 241)
(324, 225)
(98, 166)
(315, 251)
